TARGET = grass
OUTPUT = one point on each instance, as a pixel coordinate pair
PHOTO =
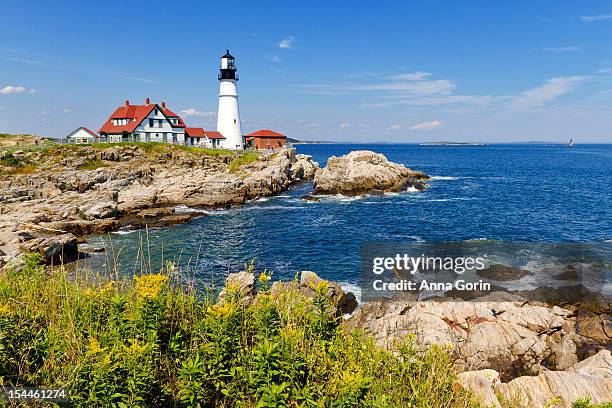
(154, 341)
(148, 147)
(92, 164)
(244, 158)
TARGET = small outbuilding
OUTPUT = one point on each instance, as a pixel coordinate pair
(82, 135)
(266, 139)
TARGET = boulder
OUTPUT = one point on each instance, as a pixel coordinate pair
(304, 167)
(310, 283)
(506, 335)
(590, 378)
(103, 209)
(598, 365)
(54, 250)
(363, 172)
(310, 197)
(482, 383)
(242, 284)
(597, 328)
(564, 387)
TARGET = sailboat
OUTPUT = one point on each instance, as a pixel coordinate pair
(571, 143)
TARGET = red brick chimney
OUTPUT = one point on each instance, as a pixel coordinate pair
(163, 104)
(127, 103)
(147, 101)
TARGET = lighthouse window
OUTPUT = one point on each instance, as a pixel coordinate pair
(234, 121)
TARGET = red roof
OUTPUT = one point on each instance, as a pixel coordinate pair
(171, 114)
(89, 131)
(194, 132)
(213, 135)
(136, 114)
(265, 133)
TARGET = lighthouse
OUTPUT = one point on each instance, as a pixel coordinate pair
(228, 119)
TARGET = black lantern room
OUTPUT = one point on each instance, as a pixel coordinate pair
(228, 67)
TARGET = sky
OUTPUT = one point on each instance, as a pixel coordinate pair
(362, 71)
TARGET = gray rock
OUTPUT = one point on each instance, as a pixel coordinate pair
(363, 172)
(54, 250)
(242, 284)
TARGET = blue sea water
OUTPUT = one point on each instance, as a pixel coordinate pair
(513, 193)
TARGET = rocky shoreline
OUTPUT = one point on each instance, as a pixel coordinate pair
(507, 348)
(52, 198)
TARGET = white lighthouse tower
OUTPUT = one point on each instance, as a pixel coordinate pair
(228, 120)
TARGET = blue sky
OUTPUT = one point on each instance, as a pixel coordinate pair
(383, 71)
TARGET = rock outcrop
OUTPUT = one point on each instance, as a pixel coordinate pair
(87, 190)
(365, 172)
(242, 284)
(591, 378)
(500, 331)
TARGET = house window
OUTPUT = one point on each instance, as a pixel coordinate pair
(156, 112)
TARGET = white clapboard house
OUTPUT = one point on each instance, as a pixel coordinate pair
(154, 123)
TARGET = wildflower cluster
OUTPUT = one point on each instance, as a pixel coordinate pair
(174, 348)
(150, 286)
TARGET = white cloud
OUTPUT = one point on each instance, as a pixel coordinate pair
(414, 76)
(434, 124)
(67, 110)
(562, 49)
(599, 17)
(550, 90)
(275, 58)
(195, 112)
(11, 89)
(345, 125)
(136, 78)
(393, 127)
(287, 42)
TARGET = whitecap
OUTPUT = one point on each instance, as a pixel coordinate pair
(215, 212)
(124, 231)
(353, 288)
(183, 209)
(434, 178)
(271, 207)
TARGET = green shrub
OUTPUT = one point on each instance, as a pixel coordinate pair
(147, 342)
(10, 160)
(586, 403)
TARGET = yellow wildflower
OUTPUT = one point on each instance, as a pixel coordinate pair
(94, 346)
(264, 278)
(137, 348)
(149, 286)
(106, 360)
(5, 310)
(220, 310)
(321, 286)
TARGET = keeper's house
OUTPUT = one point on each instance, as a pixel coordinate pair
(265, 139)
(83, 135)
(154, 123)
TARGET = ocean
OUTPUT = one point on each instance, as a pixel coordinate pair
(501, 192)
